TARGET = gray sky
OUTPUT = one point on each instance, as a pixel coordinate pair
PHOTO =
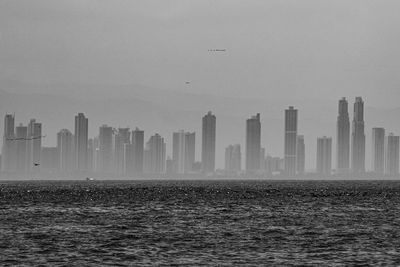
(275, 49)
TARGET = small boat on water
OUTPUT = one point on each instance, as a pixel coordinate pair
(89, 179)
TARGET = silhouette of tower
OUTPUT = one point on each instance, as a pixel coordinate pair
(301, 154)
(290, 141)
(324, 155)
(253, 143)
(81, 142)
(8, 149)
(138, 150)
(378, 150)
(343, 138)
(358, 138)
(392, 155)
(208, 143)
(65, 150)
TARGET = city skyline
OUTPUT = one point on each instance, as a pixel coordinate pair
(109, 150)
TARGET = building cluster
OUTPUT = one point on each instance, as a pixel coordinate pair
(124, 153)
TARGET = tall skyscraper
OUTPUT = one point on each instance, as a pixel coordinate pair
(233, 158)
(290, 141)
(183, 151)
(208, 143)
(324, 155)
(81, 142)
(301, 154)
(8, 160)
(343, 138)
(392, 155)
(378, 150)
(154, 155)
(65, 150)
(121, 138)
(178, 152)
(106, 155)
(21, 142)
(34, 146)
(358, 138)
(138, 150)
(190, 151)
(253, 143)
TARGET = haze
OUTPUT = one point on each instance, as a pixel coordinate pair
(305, 53)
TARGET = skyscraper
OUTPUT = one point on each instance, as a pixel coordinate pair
(358, 138)
(65, 150)
(81, 142)
(233, 158)
(21, 142)
(392, 155)
(138, 150)
(343, 138)
(106, 155)
(324, 155)
(178, 152)
(253, 143)
(154, 155)
(208, 143)
(190, 151)
(8, 149)
(378, 150)
(34, 146)
(301, 154)
(121, 138)
(290, 141)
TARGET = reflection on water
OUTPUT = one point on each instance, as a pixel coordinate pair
(200, 223)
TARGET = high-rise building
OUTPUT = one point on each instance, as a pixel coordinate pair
(324, 155)
(253, 143)
(378, 150)
(233, 158)
(154, 155)
(21, 142)
(178, 152)
(8, 155)
(301, 155)
(290, 141)
(392, 155)
(65, 150)
(343, 138)
(106, 155)
(81, 142)
(190, 151)
(358, 138)
(208, 143)
(34, 146)
(138, 150)
(183, 151)
(121, 138)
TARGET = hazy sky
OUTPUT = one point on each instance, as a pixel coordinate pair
(274, 49)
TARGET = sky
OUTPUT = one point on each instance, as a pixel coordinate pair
(280, 53)
(274, 49)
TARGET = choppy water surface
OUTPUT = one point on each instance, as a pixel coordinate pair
(200, 223)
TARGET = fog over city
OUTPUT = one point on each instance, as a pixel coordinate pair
(162, 65)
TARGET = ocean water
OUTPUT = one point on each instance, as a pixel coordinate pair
(200, 223)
